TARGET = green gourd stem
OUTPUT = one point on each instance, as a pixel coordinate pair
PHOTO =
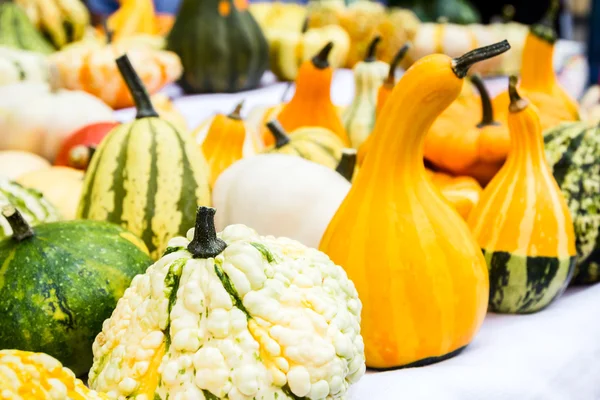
(461, 65)
(320, 60)
(390, 81)
(371, 56)
(517, 103)
(305, 25)
(487, 111)
(138, 92)
(236, 113)
(347, 164)
(81, 156)
(205, 243)
(281, 137)
(108, 32)
(545, 28)
(20, 227)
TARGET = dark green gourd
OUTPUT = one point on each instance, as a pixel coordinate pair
(221, 46)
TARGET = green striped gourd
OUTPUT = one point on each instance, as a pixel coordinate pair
(522, 221)
(146, 175)
(22, 65)
(59, 281)
(221, 46)
(359, 116)
(313, 143)
(16, 30)
(32, 205)
(572, 150)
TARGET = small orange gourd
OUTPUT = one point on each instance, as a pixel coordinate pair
(311, 104)
(538, 81)
(224, 142)
(522, 221)
(457, 144)
(419, 272)
(462, 192)
(388, 84)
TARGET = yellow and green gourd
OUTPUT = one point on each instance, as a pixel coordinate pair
(359, 116)
(313, 143)
(146, 175)
(17, 30)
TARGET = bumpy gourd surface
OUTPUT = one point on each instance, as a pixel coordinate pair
(37, 376)
(30, 203)
(266, 319)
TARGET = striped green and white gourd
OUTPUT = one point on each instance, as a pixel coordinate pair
(359, 116)
(313, 143)
(17, 30)
(573, 151)
(146, 175)
(22, 65)
(30, 203)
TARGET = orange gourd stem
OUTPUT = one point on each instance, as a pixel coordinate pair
(388, 84)
(522, 221)
(419, 272)
(224, 142)
(311, 104)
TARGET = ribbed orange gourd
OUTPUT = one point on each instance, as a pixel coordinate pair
(522, 221)
(133, 17)
(388, 84)
(418, 270)
(538, 81)
(224, 142)
(311, 104)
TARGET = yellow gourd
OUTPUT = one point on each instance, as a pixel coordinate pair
(418, 270)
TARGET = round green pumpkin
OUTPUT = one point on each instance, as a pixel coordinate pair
(30, 203)
(573, 150)
(60, 282)
(221, 46)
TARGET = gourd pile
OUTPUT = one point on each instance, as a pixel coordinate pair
(374, 235)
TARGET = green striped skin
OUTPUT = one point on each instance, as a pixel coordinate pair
(57, 287)
(521, 284)
(589, 270)
(219, 53)
(573, 150)
(30, 203)
(315, 144)
(16, 30)
(149, 178)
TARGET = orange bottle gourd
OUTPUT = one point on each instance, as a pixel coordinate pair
(311, 104)
(522, 221)
(538, 81)
(224, 142)
(419, 272)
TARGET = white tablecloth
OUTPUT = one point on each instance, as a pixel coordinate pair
(552, 355)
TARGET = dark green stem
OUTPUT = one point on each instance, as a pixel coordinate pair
(487, 111)
(136, 87)
(281, 137)
(305, 25)
(371, 56)
(545, 28)
(320, 61)
(390, 81)
(517, 103)
(81, 156)
(347, 164)
(462, 64)
(205, 243)
(20, 227)
(108, 32)
(236, 113)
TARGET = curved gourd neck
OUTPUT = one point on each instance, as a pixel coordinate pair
(313, 84)
(537, 71)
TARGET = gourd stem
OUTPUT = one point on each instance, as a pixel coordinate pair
(281, 137)
(545, 28)
(517, 103)
(108, 32)
(20, 227)
(205, 243)
(487, 111)
(305, 25)
(236, 113)
(372, 48)
(81, 156)
(391, 78)
(347, 164)
(461, 65)
(320, 61)
(138, 92)
(508, 13)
